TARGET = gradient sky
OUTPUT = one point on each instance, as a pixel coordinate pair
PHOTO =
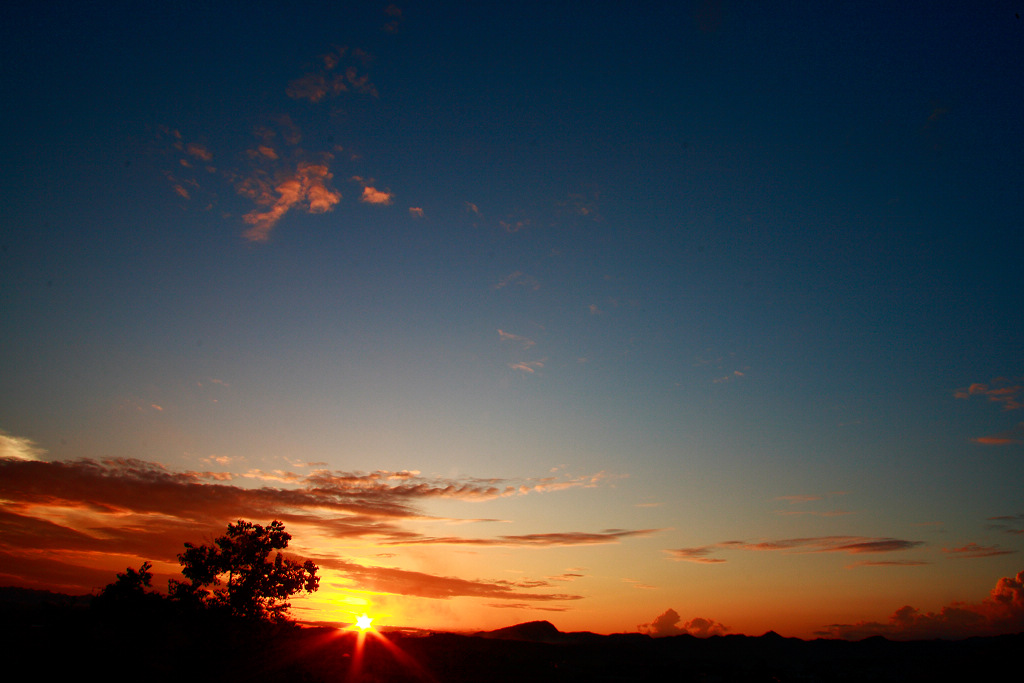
(567, 311)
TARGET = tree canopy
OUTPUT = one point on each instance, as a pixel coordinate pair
(236, 573)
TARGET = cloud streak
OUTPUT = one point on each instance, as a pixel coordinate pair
(853, 545)
(91, 515)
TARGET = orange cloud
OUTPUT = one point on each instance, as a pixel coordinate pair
(1014, 435)
(415, 212)
(305, 188)
(372, 195)
(1001, 390)
(62, 520)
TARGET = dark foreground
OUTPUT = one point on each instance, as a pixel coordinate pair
(61, 641)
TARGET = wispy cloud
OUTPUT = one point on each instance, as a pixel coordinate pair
(19, 447)
(1012, 436)
(1001, 612)
(520, 279)
(973, 550)
(854, 545)
(699, 555)
(415, 212)
(1010, 524)
(529, 367)
(56, 515)
(405, 582)
(516, 339)
(1004, 391)
(567, 538)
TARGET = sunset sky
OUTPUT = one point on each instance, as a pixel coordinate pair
(577, 311)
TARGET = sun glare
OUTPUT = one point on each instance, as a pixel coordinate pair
(364, 622)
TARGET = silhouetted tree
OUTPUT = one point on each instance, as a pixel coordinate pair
(236, 573)
(131, 583)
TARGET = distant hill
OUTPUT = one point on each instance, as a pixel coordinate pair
(32, 597)
(545, 632)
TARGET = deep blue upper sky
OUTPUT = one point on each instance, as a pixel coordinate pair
(728, 251)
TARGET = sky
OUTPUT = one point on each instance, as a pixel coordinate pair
(680, 317)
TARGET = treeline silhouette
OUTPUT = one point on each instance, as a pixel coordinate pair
(228, 622)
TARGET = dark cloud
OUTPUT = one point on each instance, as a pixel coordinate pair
(1002, 612)
(667, 624)
(854, 545)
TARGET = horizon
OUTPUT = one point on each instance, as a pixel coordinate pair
(693, 317)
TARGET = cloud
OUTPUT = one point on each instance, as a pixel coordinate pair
(1011, 524)
(698, 555)
(1002, 390)
(854, 545)
(315, 87)
(529, 367)
(419, 584)
(973, 550)
(524, 342)
(792, 500)
(520, 279)
(415, 212)
(1014, 435)
(567, 538)
(321, 84)
(198, 151)
(394, 18)
(372, 195)
(90, 514)
(667, 624)
(1002, 612)
(305, 188)
(19, 447)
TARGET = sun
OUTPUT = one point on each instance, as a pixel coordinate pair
(364, 622)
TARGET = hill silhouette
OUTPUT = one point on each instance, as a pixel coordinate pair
(170, 646)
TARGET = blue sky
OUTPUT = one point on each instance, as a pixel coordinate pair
(682, 274)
